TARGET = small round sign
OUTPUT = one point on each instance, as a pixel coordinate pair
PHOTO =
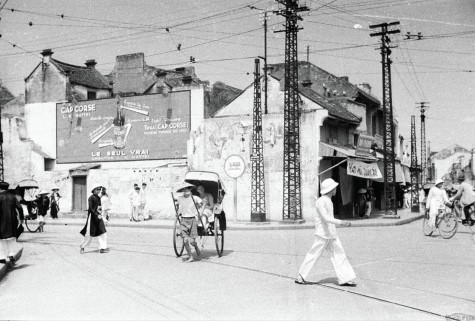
(234, 166)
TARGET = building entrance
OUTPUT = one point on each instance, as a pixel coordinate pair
(79, 193)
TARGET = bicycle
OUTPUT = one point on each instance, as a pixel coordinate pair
(458, 210)
(446, 222)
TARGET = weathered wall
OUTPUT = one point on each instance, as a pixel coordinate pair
(45, 84)
(231, 133)
(119, 182)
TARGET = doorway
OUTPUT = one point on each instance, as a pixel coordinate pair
(79, 193)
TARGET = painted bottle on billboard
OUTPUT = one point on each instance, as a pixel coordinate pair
(119, 129)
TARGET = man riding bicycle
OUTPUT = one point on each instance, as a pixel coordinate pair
(467, 198)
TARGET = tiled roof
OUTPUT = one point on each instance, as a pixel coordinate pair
(334, 109)
(86, 76)
(5, 95)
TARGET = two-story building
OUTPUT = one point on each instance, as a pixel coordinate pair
(82, 128)
(339, 123)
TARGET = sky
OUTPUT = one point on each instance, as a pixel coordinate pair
(225, 36)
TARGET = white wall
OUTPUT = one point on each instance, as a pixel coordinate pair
(40, 119)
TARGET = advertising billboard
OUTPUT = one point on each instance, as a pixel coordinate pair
(123, 129)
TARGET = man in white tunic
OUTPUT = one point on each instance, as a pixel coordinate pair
(436, 200)
(326, 238)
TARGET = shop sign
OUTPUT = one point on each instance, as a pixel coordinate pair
(234, 166)
(363, 147)
(364, 170)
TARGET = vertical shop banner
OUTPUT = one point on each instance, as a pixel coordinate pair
(123, 129)
(364, 170)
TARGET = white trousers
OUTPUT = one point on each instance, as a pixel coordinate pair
(88, 238)
(343, 269)
(7, 247)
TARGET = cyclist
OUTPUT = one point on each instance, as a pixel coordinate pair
(467, 198)
(436, 200)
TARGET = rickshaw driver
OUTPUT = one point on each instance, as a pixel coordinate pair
(189, 223)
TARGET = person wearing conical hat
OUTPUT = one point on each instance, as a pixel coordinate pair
(54, 201)
(94, 225)
(42, 202)
(326, 238)
(436, 200)
(188, 205)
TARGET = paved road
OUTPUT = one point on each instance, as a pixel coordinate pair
(402, 275)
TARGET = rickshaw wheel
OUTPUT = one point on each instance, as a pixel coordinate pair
(218, 236)
(32, 223)
(425, 225)
(178, 244)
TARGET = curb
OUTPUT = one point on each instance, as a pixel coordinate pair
(4, 268)
(252, 226)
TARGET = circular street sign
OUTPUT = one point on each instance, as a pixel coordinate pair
(234, 166)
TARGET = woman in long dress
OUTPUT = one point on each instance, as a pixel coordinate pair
(436, 200)
(54, 200)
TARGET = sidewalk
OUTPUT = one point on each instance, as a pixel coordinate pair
(377, 219)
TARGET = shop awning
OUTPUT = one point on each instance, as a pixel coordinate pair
(329, 150)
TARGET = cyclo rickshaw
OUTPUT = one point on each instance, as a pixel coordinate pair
(213, 185)
(27, 190)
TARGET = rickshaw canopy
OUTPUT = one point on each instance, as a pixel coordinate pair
(209, 180)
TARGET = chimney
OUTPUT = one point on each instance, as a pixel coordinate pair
(91, 63)
(47, 53)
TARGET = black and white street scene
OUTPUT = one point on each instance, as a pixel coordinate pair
(237, 160)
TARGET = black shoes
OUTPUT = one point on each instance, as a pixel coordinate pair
(81, 250)
(104, 251)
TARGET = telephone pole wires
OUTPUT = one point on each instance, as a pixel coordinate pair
(389, 155)
(292, 209)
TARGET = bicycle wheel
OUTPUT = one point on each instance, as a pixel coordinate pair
(178, 244)
(32, 223)
(218, 236)
(425, 225)
(472, 227)
(447, 225)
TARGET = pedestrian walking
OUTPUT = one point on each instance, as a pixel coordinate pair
(143, 202)
(134, 198)
(94, 225)
(54, 201)
(326, 238)
(187, 209)
(11, 217)
(106, 205)
(42, 202)
(407, 197)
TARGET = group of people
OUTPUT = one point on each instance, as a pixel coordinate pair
(437, 199)
(138, 200)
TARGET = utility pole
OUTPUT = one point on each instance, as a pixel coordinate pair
(389, 156)
(258, 195)
(423, 105)
(414, 169)
(265, 62)
(292, 198)
(2, 176)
